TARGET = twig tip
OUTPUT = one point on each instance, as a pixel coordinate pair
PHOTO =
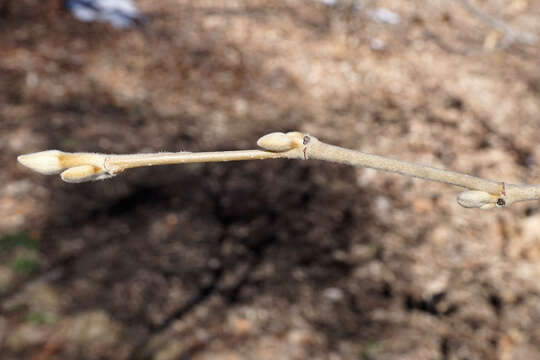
(45, 162)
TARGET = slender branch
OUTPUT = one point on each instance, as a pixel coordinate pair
(80, 167)
(118, 163)
(510, 35)
(322, 151)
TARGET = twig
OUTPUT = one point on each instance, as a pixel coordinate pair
(509, 34)
(80, 167)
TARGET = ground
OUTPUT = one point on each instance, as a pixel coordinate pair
(273, 259)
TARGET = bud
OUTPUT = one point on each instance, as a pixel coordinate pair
(276, 141)
(82, 173)
(45, 162)
(477, 199)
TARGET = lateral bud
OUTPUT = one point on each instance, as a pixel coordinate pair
(276, 141)
(83, 173)
(477, 199)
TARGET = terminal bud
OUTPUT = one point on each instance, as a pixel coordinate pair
(44, 162)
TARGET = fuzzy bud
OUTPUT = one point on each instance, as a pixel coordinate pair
(477, 199)
(82, 173)
(276, 141)
(45, 162)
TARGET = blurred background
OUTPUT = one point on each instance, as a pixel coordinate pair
(269, 259)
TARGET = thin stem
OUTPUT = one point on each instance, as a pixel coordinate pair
(482, 193)
(117, 163)
(509, 34)
(322, 151)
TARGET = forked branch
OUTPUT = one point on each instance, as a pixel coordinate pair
(80, 167)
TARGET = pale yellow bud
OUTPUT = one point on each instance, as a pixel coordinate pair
(276, 141)
(477, 199)
(45, 162)
(84, 173)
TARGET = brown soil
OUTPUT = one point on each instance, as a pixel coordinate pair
(269, 259)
